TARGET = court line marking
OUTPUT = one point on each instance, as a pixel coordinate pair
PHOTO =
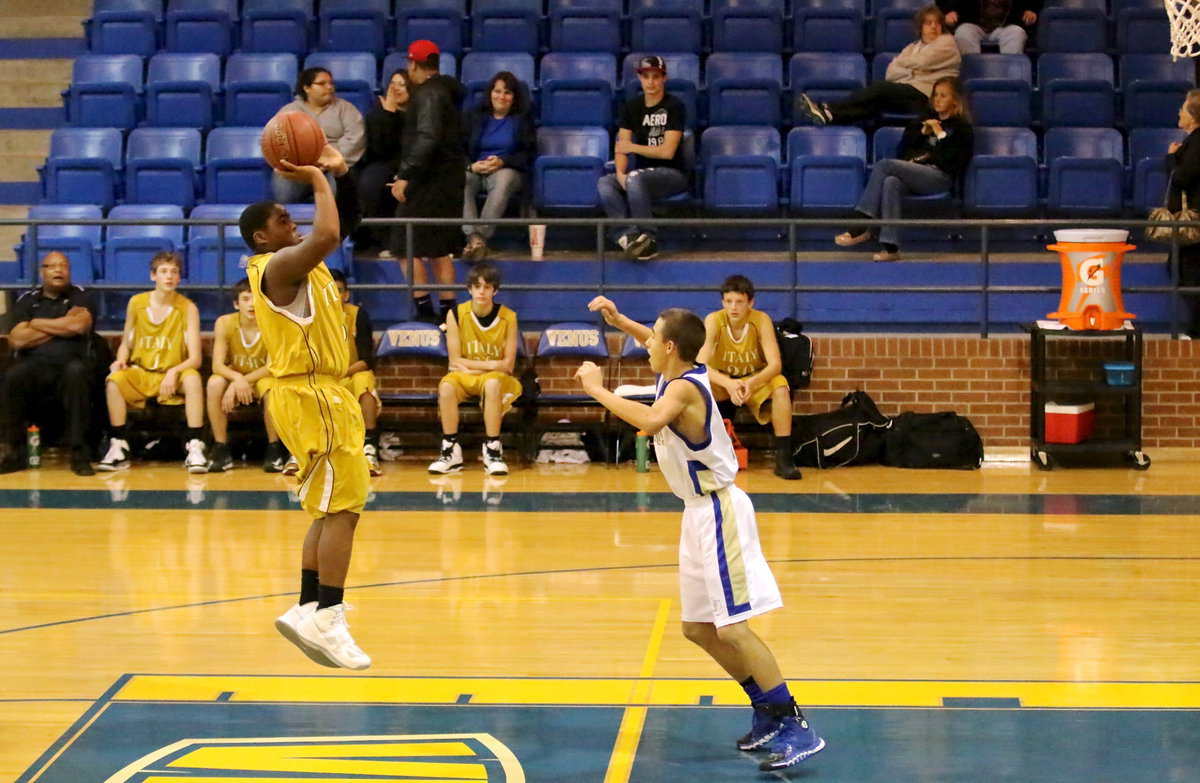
(74, 732)
(620, 764)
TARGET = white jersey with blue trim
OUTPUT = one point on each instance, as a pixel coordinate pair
(694, 470)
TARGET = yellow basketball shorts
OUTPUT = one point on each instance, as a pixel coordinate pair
(322, 426)
(360, 383)
(469, 385)
(137, 384)
(262, 386)
(761, 396)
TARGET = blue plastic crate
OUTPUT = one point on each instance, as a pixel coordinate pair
(1119, 373)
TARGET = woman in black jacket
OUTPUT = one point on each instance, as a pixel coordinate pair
(385, 128)
(501, 144)
(931, 158)
(1183, 164)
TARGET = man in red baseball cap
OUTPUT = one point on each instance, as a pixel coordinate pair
(431, 177)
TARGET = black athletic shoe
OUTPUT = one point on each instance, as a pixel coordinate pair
(220, 460)
(80, 464)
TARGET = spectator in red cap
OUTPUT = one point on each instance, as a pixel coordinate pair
(649, 158)
(429, 182)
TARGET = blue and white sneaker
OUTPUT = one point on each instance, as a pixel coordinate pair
(762, 730)
(795, 742)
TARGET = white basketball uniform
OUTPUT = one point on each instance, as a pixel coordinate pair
(723, 576)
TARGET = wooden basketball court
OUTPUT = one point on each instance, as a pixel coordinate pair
(1003, 624)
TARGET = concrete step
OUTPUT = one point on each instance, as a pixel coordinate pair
(21, 152)
(11, 235)
(34, 83)
(59, 19)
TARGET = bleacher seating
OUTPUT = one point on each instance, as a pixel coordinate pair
(257, 86)
(747, 25)
(824, 77)
(440, 21)
(1073, 26)
(234, 169)
(354, 75)
(129, 248)
(1085, 170)
(506, 26)
(577, 88)
(83, 167)
(665, 26)
(1077, 89)
(353, 26)
(162, 166)
(744, 88)
(105, 91)
(277, 26)
(740, 166)
(79, 242)
(200, 26)
(124, 27)
(585, 26)
(1147, 147)
(204, 257)
(182, 89)
(828, 26)
(1153, 87)
(1002, 178)
(569, 163)
(827, 169)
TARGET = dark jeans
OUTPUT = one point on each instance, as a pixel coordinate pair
(877, 98)
(375, 197)
(642, 187)
(40, 391)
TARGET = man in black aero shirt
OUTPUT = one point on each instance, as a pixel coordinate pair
(52, 373)
(651, 134)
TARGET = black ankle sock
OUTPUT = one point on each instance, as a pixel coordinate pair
(329, 596)
(308, 586)
(423, 305)
(445, 305)
(890, 248)
(121, 432)
(452, 438)
(372, 437)
(195, 433)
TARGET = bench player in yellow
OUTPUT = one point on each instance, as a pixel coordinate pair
(360, 375)
(159, 357)
(300, 315)
(239, 377)
(745, 366)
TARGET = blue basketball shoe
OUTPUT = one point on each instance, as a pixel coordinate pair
(795, 742)
(763, 729)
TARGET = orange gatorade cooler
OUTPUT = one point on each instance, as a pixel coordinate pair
(1091, 268)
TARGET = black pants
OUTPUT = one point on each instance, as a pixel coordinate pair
(376, 198)
(1189, 275)
(877, 98)
(43, 391)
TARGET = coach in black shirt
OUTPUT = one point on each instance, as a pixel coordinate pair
(51, 372)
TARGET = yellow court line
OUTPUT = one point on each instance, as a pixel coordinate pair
(620, 765)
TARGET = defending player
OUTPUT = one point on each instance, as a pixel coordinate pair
(724, 580)
(300, 316)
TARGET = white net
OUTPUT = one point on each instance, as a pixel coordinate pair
(1185, 27)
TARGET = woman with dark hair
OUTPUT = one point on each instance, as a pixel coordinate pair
(932, 155)
(909, 80)
(1183, 164)
(341, 121)
(385, 129)
(501, 143)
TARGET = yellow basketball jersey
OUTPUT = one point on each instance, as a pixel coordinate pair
(242, 353)
(312, 344)
(351, 312)
(158, 346)
(483, 344)
(737, 358)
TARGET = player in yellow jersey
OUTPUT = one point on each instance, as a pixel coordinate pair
(159, 357)
(239, 377)
(360, 375)
(300, 317)
(481, 337)
(745, 366)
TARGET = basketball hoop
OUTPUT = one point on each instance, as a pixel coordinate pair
(1185, 27)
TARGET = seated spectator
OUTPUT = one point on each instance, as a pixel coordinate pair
(910, 77)
(745, 366)
(1005, 23)
(51, 374)
(649, 158)
(481, 338)
(360, 375)
(240, 376)
(1183, 165)
(501, 144)
(159, 357)
(377, 168)
(931, 158)
(341, 121)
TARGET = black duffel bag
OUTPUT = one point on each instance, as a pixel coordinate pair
(933, 440)
(850, 435)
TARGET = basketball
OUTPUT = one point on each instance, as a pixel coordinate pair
(293, 136)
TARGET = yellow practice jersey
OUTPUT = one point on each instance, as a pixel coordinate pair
(741, 357)
(351, 312)
(478, 343)
(243, 352)
(311, 343)
(158, 346)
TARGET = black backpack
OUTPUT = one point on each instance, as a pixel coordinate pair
(851, 435)
(933, 440)
(796, 352)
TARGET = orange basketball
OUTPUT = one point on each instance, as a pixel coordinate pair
(293, 136)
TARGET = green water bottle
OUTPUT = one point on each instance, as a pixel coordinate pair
(642, 452)
(33, 446)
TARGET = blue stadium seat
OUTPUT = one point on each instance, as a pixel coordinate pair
(277, 26)
(257, 86)
(412, 338)
(744, 88)
(884, 144)
(398, 61)
(353, 26)
(162, 166)
(341, 259)
(234, 169)
(1000, 89)
(105, 91)
(440, 21)
(181, 89)
(506, 26)
(825, 77)
(1154, 87)
(827, 168)
(1147, 148)
(1143, 31)
(662, 26)
(1085, 172)
(997, 66)
(893, 24)
(570, 162)
(828, 26)
(1081, 27)
(683, 80)
(78, 242)
(478, 68)
(82, 167)
(1002, 178)
(204, 258)
(577, 88)
(741, 165)
(354, 74)
(585, 26)
(124, 27)
(1078, 90)
(747, 25)
(128, 249)
(200, 26)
